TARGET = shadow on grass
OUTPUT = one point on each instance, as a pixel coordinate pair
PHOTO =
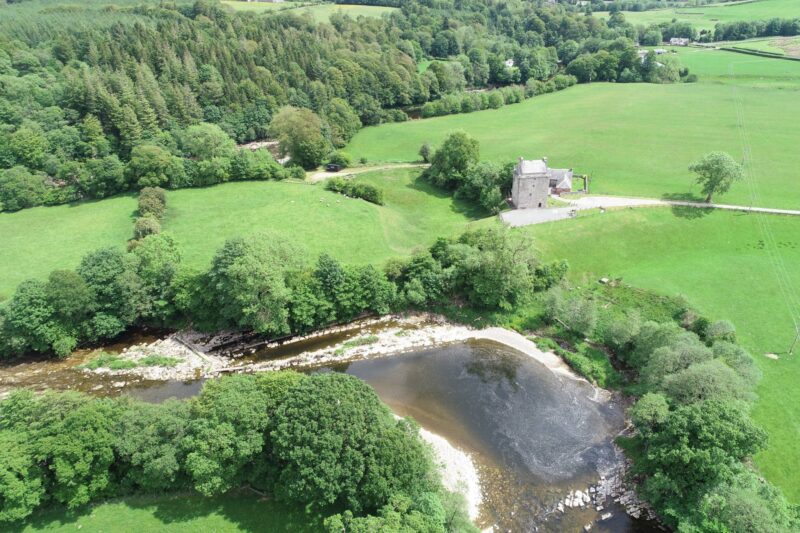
(683, 211)
(243, 511)
(469, 209)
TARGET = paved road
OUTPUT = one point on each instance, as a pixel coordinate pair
(323, 175)
(527, 217)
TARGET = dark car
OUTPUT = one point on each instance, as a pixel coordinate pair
(333, 167)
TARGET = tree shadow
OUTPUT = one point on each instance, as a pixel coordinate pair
(246, 510)
(687, 211)
(457, 205)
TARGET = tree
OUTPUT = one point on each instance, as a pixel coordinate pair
(152, 202)
(299, 132)
(247, 281)
(21, 483)
(146, 225)
(153, 166)
(147, 445)
(206, 141)
(451, 161)
(425, 152)
(708, 380)
(20, 188)
(157, 265)
(227, 437)
(716, 172)
(104, 177)
(336, 443)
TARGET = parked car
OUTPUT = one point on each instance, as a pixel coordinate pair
(333, 167)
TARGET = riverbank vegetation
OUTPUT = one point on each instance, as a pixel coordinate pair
(359, 465)
(262, 283)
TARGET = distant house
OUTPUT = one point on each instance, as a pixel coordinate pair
(679, 41)
(534, 181)
(509, 63)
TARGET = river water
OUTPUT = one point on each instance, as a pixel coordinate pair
(533, 435)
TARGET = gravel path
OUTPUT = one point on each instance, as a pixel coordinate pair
(527, 217)
(323, 175)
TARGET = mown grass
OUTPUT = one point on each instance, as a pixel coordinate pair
(637, 139)
(706, 17)
(36, 241)
(176, 514)
(722, 264)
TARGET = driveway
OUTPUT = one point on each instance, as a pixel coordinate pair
(527, 217)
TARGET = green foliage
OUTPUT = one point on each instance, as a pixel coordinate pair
(152, 201)
(352, 462)
(21, 479)
(716, 172)
(452, 160)
(110, 361)
(247, 283)
(340, 158)
(145, 226)
(299, 131)
(355, 189)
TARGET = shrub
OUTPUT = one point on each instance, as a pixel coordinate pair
(152, 201)
(721, 330)
(354, 189)
(340, 158)
(146, 225)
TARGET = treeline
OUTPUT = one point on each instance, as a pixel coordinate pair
(262, 284)
(740, 30)
(79, 100)
(68, 449)
(696, 387)
(467, 102)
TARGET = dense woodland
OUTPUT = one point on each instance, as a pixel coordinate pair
(97, 100)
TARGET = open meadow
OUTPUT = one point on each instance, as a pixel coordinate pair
(36, 241)
(638, 139)
(706, 17)
(319, 12)
(721, 263)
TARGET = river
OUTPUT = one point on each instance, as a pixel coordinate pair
(534, 435)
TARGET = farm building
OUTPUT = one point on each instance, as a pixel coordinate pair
(679, 41)
(534, 181)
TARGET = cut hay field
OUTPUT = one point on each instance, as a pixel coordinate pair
(36, 241)
(706, 17)
(319, 12)
(638, 139)
(720, 262)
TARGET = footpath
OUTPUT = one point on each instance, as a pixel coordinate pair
(527, 217)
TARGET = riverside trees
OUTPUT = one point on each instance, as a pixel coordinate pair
(70, 449)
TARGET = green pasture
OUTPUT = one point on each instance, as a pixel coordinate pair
(638, 139)
(706, 17)
(177, 514)
(726, 268)
(36, 241)
(319, 12)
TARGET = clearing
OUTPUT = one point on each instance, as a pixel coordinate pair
(319, 12)
(637, 139)
(720, 262)
(36, 241)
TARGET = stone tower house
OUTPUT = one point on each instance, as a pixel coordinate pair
(534, 181)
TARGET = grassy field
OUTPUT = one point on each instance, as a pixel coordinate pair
(637, 139)
(720, 262)
(178, 514)
(787, 46)
(36, 241)
(319, 12)
(706, 17)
